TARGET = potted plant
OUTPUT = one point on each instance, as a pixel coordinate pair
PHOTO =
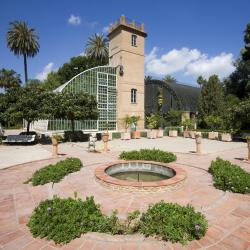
(134, 120)
(188, 125)
(226, 136)
(152, 121)
(213, 122)
(105, 135)
(127, 122)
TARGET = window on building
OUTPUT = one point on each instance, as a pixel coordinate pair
(133, 40)
(133, 95)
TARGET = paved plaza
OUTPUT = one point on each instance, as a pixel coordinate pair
(228, 213)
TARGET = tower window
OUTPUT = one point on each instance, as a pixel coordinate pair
(133, 95)
(133, 40)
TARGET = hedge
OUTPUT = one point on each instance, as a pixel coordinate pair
(227, 176)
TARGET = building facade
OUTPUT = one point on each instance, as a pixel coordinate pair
(126, 54)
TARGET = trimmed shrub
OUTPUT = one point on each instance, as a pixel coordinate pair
(143, 133)
(63, 220)
(55, 173)
(76, 136)
(227, 176)
(148, 155)
(116, 135)
(172, 222)
(166, 130)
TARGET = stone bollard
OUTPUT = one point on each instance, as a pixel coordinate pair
(54, 146)
(105, 139)
(248, 145)
(198, 143)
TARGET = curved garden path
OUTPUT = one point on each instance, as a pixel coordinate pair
(228, 213)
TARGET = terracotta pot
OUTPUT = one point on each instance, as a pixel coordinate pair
(173, 133)
(159, 133)
(136, 134)
(105, 137)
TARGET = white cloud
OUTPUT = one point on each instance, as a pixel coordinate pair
(190, 62)
(46, 70)
(105, 29)
(74, 20)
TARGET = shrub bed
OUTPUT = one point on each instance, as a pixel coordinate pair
(227, 176)
(173, 222)
(116, 135)
(63, 220)
(143, 133)
(148, 155)
(54, 173)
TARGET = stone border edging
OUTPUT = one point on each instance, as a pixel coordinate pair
(151, 186)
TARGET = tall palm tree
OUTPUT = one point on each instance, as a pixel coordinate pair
(97, 47)
(22, 40)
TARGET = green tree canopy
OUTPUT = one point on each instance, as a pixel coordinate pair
(9, 79)
(201, 80)
(75, 106)
(30, 104)
(238, 83)
(22, 40)
(70, 69)
(211, 100)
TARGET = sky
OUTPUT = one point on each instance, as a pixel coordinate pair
(185, 38)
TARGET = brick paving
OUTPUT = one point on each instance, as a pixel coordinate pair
(228, 213)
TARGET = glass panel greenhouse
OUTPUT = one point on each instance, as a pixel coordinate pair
(100, 82)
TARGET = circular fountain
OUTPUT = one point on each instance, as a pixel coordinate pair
(142, 176)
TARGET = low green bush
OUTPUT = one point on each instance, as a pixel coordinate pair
(76, 136)
(172, 222)
(148, 155)
(63, 220)
(116, 135)
(227, 176)
(55, 172)
(143, 133)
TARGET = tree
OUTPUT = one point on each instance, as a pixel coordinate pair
(76, 106)
(53, 81)
(169, 78)
(211, 100)
(246, 51)
(22, 40)
(9, 79)
(238, 83)
(30, 104)
(97, 47)
(201, 81)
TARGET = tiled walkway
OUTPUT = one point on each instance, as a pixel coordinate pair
(228, 214)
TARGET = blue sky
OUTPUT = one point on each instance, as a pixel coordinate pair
(185, 38)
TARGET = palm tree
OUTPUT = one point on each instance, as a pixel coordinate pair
(97, 47)
(9, 79)
(22, 40)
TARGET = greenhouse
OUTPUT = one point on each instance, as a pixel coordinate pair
(99, 82)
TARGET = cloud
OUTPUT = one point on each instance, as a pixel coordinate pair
(190, 62)
(74, 20)
(90, 24)
(46, 70)
(105, 29)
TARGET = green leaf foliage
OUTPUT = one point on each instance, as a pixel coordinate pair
(172, 222)
(63, 220)
(56, 172)
(227, 176)
(148, 155)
